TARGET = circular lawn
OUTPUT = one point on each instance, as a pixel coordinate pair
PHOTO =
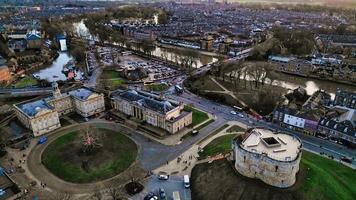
(112, 154)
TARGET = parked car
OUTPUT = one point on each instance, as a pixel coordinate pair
(233, 112)
(186, 181)
(163, 177)
(162, 194)
(345, 159)
(151, 196)
(195, 132)
(240, 115)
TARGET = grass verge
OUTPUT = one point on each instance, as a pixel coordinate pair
(110, 74)
(159, 87)
(198, 116)
(327, 179)
(219, 145)
(26, 82)
(235, 128)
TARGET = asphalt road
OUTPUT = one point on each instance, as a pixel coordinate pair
(222, 113)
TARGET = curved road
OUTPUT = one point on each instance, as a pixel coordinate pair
(310, 143)
(151, 155)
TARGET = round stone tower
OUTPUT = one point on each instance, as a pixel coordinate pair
(272, 157)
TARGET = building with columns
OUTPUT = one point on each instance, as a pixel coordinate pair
(158, 112)
(42, 116)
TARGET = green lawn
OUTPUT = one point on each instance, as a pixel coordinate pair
(157, 87)
(198, 116)
(63, 157)
(111, 79)
(327, 179)
(324, 179)
(235, 128)
(221, 144)
(116, 83)
(110, 74)
(25, 82)
(205, 124)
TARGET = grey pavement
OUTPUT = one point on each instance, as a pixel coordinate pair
(93, 79)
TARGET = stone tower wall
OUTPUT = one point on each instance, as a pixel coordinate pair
(273, 172)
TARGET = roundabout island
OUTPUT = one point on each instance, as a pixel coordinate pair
(84, 158)
(89, 155)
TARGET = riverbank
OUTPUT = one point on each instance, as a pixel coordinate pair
(345, 82)
(208, 53)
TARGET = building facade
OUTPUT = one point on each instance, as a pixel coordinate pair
(345, 98)
(5, 75)
(38, 116)
(271, 157)
(207, 43)
(155, 111)
(42, 116)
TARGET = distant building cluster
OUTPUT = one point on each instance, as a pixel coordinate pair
(327, 66)
(322, 116)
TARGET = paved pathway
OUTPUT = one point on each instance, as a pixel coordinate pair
(190, 156)
(228, 92)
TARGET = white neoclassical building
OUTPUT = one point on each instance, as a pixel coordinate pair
(158, 112)
(271, 157)
(42, 116)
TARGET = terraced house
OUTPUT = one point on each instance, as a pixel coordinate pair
(42, 116)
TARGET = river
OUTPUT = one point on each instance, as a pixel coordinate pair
(54, 71)
(165, 53)
(311, 85)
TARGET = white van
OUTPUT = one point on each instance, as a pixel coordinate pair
(186, 181)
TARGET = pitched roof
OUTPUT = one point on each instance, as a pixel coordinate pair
(32, 36)
(32, 108)
(147, 101)
(81, 93)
